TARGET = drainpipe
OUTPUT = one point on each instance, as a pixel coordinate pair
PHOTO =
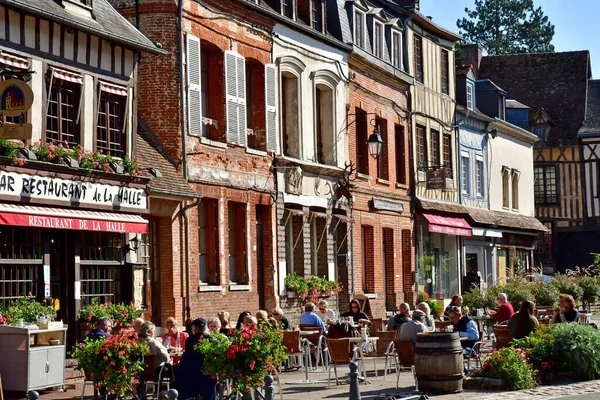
(405, 57)
(184, 158)
(352, 247)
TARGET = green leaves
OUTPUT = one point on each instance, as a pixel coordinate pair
(507, 27)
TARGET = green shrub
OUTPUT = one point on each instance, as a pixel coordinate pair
(475, 298)
(510, 365)
(567, 285)
(590, 290)
(545, 295)
(517, 292)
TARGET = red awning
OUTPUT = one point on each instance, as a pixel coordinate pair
(448, 225)
(63, 218)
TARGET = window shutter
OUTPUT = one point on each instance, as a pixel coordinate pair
(194, 105)
(271, 107)
(235, 93)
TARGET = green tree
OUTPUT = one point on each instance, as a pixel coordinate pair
(507, 27)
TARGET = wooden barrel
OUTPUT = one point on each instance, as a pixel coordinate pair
(439, 362)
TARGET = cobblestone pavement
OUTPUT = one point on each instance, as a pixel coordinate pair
(548, 392)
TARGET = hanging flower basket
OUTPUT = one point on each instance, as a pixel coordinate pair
(311, 288)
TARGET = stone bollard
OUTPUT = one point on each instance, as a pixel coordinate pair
(33, 395)
(354, 388)
(268, 387)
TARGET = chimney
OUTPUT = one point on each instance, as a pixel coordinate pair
(412, 5)
(471, 54)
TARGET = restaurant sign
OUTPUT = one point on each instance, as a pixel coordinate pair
(16, 98)
(435, 178)
(77, 193)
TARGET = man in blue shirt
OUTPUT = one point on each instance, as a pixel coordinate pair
(102, 330)
(310, 318)
(466, 328)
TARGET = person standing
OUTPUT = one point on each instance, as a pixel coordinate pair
(505, 309)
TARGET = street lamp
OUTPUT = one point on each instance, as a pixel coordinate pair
(375, 143)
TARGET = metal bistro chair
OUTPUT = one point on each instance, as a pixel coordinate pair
(405, 350)
(339, 354)
(156, 373)
(293, 347)
(376, 326)
(315, 342)
(384, 348)
(474, 354)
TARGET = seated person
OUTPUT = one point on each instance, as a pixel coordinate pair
(466, 328)
(355, 314)
(262, 316)
(429, 321)
(214, 325)
(566, 311)
(505, 311)
(310, 318)
(457, 301)
(189, 379)
(102, 330)
(173, 338)
(399, 319)
(523, 323)
(281, 319)
(224, 319)
(409, 330)
(240, 320)
(146, 335)
(137, 324)
(325, 313)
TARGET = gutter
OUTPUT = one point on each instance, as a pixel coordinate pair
(86, 28)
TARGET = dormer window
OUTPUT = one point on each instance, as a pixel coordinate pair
(287, 8)
(359, 28)
(539, 130)
(397, 49)
(378, 40)
(501, 107)
(87, 3)
(316, 12)
(470, 87)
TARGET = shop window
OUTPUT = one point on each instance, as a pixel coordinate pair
(362, 150)
(515, 189)
(418, 58)
(208, 233)
(290, 123)
(437, 266)
(20, 263)
(505, 187)
(101, 246)
(545, 184)
(62, 117)
(324, 110)
(237, 243)
(447, 154)
(400, 155)
(368, 259)
(110, 129)
(435, 148)
(383, 169)
(445, 76)
(101, 255)
(421, 143)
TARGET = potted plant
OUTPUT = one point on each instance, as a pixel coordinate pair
(244, 358)
(113, 363)
(29, 310)
(121, 314)
(310, 288)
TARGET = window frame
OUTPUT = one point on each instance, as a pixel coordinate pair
(514, 184)
(240, 233)
(106, 98)
(418, 61)
(465, 173)
(62, 85)
(421, 135)
(204, 237)
(359, 41)
(396, 57)
(506, 197)
(318, 11)
(470, 97)
(288, 4)
(435, 147)
(544, 185)
(542, 126)
(479, 176)
(447, 156)
(378, 39)
(444, 77)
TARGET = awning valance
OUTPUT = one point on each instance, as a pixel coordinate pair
(64, 218)
(114, 89)
(448, 225)
(68, 76)
(13, 61)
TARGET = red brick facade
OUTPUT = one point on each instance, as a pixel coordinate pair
(383, 240)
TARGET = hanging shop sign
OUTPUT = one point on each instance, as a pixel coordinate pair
(75, 193)
(16, 98)
(435, 178)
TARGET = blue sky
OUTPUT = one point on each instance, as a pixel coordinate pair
(574, 22)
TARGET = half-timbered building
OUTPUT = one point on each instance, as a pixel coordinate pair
(589, 134)
(554, 86)
(68, 234)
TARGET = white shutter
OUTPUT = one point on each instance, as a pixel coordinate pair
(235, 98)
(271, 107)
(194, 105)
(241, 83)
